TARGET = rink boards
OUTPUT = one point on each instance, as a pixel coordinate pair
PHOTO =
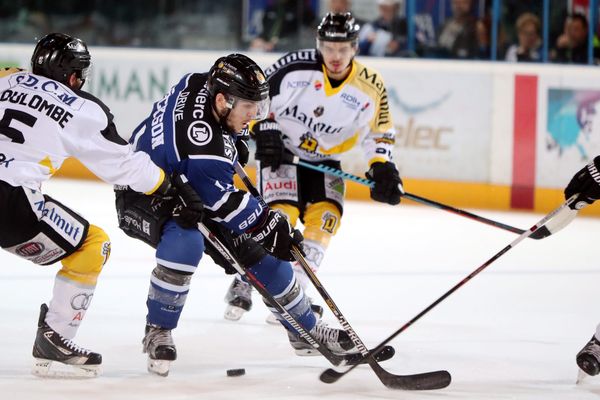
(472, 134)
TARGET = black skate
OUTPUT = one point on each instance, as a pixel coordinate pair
(588, 359)
(161, 350)
(57, 356)
(336, 340)
(238, 299)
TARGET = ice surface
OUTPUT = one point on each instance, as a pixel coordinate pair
(510, 333)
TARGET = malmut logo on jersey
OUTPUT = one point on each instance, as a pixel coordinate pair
(65, 224)
(318, 111)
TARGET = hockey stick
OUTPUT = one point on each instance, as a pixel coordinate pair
(540, 234)
(330, 375)
(253, 280)
(424, 381)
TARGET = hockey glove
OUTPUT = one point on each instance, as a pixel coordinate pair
(188, 210)
(276, 235)
(387, 180)
(243, 152)
(586, 182)
(269, 143)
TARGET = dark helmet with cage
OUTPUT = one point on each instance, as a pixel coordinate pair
(335, 27)
(57, 56)
(241, 81)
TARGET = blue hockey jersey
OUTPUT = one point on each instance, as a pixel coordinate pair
(182, 135)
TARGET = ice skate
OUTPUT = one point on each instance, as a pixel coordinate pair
(336, 340)
(588, 359)
(57, 356)
(159, 346)
(238, 299)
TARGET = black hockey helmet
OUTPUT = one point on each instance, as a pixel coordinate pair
(57, 56)
(239, 76)
(338, 28)
(240, 80)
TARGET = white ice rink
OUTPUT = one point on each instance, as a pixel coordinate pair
(510, 333)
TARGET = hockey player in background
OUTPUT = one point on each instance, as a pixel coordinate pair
(323, 103)
(199, 130)
(586, 182)
(45, 118)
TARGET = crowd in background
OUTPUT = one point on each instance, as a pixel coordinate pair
(457, 29)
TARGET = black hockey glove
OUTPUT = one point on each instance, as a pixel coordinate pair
(276, 235)
(269, 143)
(586, 182)
(387, 180)
(188, 210)
(243, 152)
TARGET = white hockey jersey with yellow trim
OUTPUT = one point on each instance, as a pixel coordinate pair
(42, 122)
(320, 122)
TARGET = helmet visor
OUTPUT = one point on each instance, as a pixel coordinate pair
(253, 110)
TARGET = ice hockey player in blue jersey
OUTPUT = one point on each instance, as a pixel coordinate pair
(199, 130)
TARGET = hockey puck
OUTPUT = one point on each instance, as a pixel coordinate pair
(236, 372)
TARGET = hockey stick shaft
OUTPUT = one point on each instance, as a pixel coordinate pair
(388, 379)
(331, 375)
(310, 273)
(367, 182)
(255, 282)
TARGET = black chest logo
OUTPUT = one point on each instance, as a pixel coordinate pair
(199, 133)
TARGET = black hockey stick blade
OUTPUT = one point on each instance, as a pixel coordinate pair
(384, 354)
(424, 381)
(560, 220)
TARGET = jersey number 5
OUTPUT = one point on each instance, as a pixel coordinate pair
(14, 134)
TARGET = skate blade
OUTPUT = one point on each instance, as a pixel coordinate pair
(159, 367)
(581, 376)
(233, 313)
(54, 369)
(272, 320)
(307, 352)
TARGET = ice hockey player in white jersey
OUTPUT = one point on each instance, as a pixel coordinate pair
(323, 103)
(45, 117)
(198, 129)
(586, 183)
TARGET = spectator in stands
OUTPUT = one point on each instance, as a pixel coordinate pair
(528, 33)
(571, 46)
(281, 25)
(386, 36)
(458, 35)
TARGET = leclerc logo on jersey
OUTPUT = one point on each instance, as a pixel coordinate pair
(199, 133)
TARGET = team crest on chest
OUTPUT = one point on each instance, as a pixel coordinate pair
(199, 133)
(318, 85)
(308, 143)
(318, 111)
